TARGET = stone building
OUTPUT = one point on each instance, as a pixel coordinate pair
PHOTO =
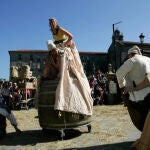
(92, 61)
(34, 58)
(117, 52)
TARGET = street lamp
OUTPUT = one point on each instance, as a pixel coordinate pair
(114, 42)
(142, 41)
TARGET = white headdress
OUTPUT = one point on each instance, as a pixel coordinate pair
(135, 49)
(50, 45)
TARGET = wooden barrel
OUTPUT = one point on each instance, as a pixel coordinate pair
(48, 117)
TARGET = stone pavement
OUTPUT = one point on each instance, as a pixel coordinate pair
(112, 129)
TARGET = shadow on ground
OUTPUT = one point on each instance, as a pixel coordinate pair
(37, 136)
(115, 146)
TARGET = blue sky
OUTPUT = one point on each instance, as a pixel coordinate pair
(24, 24)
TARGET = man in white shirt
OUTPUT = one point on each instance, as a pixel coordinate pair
(129, 76)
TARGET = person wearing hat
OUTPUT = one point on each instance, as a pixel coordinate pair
(130, 77)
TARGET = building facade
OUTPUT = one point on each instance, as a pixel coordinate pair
(118, 50)
(92, 61)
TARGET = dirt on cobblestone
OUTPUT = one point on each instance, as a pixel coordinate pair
(112, 129)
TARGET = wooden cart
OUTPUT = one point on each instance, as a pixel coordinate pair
(28, 99)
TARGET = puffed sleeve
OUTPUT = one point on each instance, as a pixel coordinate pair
(123, 71)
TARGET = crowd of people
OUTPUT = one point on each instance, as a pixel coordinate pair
(98, 85)
(6, 89)
(11, 94)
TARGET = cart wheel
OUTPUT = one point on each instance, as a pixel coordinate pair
(89, 127)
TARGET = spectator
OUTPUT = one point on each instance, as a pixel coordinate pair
(94, 79)
(91, 82)
(6, 94)
(100, 77)
(10, 87)
(98, 95)
(28, 94)
(5, 112)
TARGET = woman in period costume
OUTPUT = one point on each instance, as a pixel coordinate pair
(73, 90)
(5, 112)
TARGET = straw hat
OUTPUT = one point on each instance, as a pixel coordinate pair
(135, 50)
(50, 45)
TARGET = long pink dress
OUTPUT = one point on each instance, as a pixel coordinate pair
(73, 90)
